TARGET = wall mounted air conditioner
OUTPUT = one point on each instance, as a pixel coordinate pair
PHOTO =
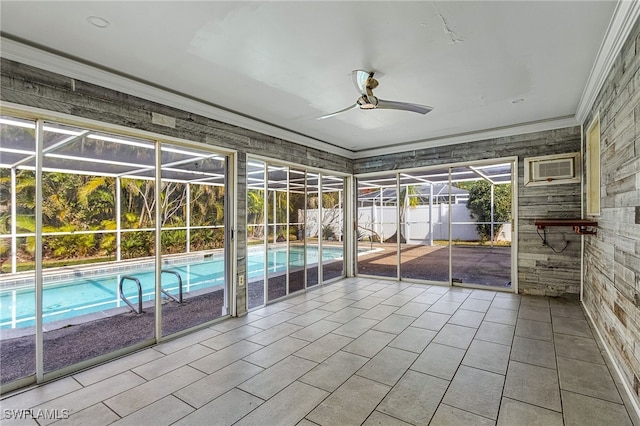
(552, 169)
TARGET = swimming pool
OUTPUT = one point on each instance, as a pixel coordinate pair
(85, 295)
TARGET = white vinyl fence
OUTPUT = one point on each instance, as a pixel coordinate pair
(420, 225)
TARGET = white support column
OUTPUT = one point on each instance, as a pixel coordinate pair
(304, 228)
(118, 219)
(188, 218)
(381, 218)
(158, 240)
(431, 214)
(492, 212)
(275, 226)
(450, 232)
(349, 238)
(398, 227)
(39, 157)
(341, 212)
(265, 236)
(373, 220)
(288, 221)
(320, 234)
(14, 223)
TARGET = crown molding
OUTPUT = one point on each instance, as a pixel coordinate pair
(520, 129)
(30, 55)
(620, 26)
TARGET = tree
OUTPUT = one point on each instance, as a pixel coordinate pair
(255, 213)
(331, 215)
(480, 205)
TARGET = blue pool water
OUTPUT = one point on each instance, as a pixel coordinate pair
(81, 296)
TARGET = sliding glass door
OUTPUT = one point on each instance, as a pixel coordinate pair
(424, 247)
(278, 231)
(93, 313)
(193, 228)
(312, 229)
(256, 234)
(454, 224)
(296, 234)
(377, 229)
(295, 230)
(482, 229)
(17, 251)
(108, 243)
(332, 227)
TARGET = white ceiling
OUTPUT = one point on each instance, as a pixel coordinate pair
(276, 66)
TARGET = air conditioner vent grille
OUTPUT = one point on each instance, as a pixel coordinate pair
(552, 169)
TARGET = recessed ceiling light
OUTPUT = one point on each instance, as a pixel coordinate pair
(517, 101)
(97, 21)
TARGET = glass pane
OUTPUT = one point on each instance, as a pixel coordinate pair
(17, 251)
(377, 229)
(296, 229)
(277, 249)
(136, 201)
(256, 266)
(424, 223)
(481, 227)
(194, 289)
(97, 154)
(84, 312)
(312, 229)
(332, 227)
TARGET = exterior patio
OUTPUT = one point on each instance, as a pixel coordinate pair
(482, 265)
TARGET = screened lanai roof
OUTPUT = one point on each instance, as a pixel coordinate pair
(277, 177)
(76, 150)
(422, 191)
(496, 174)
(433, 181)
(80, 151)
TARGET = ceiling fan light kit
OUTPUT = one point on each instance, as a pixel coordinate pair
(365, 83)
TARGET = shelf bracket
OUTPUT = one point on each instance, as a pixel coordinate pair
(580, 226)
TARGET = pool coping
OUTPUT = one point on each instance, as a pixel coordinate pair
(66, 273)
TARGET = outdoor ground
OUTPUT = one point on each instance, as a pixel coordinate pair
(70, 345)
(470, 264)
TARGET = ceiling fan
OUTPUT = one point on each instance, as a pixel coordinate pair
(365, 83)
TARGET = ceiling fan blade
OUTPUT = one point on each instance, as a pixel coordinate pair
(360, 80)
(337, 112)
(403, 106)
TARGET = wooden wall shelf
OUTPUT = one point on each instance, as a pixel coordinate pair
(580, 226)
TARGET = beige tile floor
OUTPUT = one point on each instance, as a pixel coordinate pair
(359, 351)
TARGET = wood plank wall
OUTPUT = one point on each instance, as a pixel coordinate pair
(612, 259)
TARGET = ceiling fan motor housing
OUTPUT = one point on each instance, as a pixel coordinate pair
(367, 102)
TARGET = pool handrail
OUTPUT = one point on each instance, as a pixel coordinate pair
(125, 300)
(169, 295)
